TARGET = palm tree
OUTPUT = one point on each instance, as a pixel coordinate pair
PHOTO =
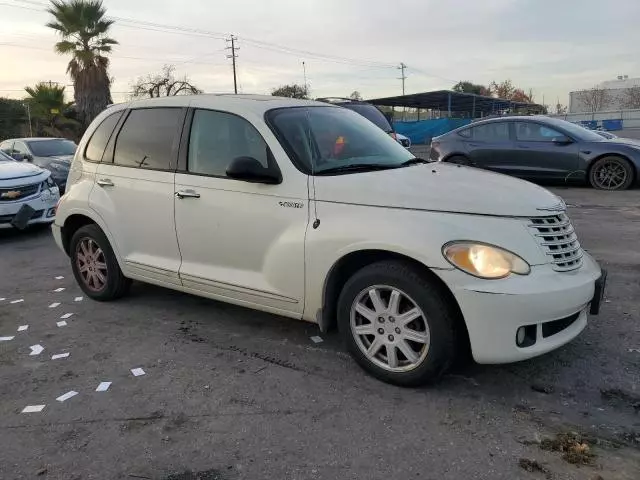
(83, 28)
(49, 110)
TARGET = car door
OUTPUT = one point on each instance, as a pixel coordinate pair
(489, 146)
(544, 152)
(21, 149)
(134, 192)
(240, 241)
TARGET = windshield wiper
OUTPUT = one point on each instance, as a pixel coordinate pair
(415, 161)
(358, 167)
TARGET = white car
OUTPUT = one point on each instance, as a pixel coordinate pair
(310, 211)
(28, 195)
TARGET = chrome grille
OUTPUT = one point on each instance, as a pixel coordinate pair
(18, 193)
(559, 241)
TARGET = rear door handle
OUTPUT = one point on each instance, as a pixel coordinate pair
(524, 146)
(187, 194)
(105, 182)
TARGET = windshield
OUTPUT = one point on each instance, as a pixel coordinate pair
(324, 139)
(371, 113)
(5, 158)
(52, 148)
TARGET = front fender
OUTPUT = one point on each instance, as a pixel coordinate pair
(419, 235)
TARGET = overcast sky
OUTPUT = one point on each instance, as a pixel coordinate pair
(551, 46)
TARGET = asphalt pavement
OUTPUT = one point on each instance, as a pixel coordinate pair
(230, 393)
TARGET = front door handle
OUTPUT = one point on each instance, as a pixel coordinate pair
(187, 194)
(105, 182)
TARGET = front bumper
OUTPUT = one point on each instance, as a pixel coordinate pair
(494, 309)
(45, 209)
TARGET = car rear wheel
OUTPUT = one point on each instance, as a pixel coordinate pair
(95, 265)
(397, 324)
(611, 173)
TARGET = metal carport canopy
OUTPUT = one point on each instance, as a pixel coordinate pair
(447, 100)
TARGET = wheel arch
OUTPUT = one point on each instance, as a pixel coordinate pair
(456, 154)
(593, 161)
(350, 263)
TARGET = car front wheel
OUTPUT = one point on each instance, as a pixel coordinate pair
(397, 324)
(95, 266)
(611, 173)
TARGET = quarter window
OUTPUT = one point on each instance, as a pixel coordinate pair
(535, 132)
(491, 132)
(148, 137)
(466, 133)
(217, 138)
(100, 138)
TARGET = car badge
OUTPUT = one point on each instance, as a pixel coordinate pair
(11, 194)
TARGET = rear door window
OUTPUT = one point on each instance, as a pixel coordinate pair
(148, 138)
(492, 132)
(100, 137)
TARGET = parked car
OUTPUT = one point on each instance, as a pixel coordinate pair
(28, 196)
(542, 148)
(53, 154)
(310, 211)
(371, 113)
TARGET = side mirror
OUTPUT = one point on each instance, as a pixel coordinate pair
(251, 170)
(18, 156)
(562, 140)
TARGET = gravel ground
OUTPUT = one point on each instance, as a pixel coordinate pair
(230, 393)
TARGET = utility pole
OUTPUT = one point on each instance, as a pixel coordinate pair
(304, 71)
(28, 107)
(233, 57)
(403, 78)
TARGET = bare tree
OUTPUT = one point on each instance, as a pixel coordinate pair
(595, 99)
(631, 97)
(291, 91)
(560, 108)
(164, 84)
(355, 95)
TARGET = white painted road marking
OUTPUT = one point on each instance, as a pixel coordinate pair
(6, 339)
(61, 289)
(59, 355)
(54, 305)
(66, 396)
(32, 408)
(61, 323)
(103, 387)
(67, 315)
(20, 300)
(137, 372)
(22, 328)
(36, 350)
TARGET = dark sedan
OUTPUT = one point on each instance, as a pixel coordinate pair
(542, 148)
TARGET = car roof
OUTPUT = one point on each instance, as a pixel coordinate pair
(257, 104)
(34, 139)
(515, 118)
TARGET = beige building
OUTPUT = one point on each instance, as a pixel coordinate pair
(615, 93)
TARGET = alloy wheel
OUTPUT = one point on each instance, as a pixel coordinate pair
(610, 174)
(92, 264)
(389, 328)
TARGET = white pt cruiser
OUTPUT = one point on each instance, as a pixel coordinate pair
(310, 211)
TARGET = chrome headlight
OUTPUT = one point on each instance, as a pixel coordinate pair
(484, 261)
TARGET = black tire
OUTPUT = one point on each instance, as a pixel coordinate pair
(427, 294)
(598, 177)
(116, 285)
(459, 160)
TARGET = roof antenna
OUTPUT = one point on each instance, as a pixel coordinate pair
(316, 221)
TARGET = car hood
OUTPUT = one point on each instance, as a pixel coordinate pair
(14, 170)
(631, 142)
(440, 187)
(64, 159)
